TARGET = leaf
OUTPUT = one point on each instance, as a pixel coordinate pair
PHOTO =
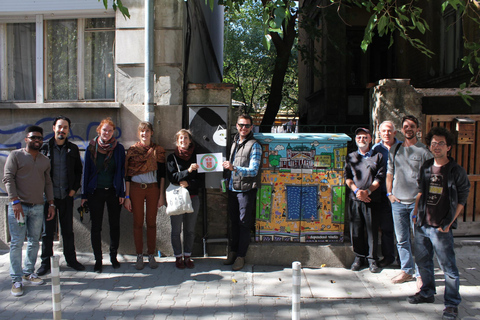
(382, 23)
(279, 12)
(266, 41)
(420, 27)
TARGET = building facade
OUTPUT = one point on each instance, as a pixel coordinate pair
(81, 60)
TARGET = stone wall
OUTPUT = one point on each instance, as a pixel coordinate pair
(392, 99)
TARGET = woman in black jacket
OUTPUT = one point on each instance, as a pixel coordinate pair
(182, 170)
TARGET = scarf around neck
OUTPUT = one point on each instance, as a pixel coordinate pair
(142, 159)
(104, 147)
(185, 154)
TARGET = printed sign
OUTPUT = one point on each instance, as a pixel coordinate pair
(210, 162)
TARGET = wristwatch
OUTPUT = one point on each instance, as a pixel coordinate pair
(234, 168)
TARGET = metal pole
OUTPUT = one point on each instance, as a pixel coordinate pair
(56, 296)
(296, 283)
(149, 62)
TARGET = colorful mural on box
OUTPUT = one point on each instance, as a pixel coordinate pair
(301, 198)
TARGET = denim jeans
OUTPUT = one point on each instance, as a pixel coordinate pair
(189, 221)
(32, 229)
(427, 241)
(402, 221)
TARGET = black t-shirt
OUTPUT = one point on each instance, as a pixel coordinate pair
(438, 203)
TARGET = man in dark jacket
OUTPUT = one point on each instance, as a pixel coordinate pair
(364, 173)
(243, 166)
(66, 175)
(444, 188)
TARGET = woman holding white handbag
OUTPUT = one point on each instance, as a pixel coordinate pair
(182, 170)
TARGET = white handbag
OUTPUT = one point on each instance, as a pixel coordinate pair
(178, 198)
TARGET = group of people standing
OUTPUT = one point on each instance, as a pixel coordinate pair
(42, 179)
(405, 188)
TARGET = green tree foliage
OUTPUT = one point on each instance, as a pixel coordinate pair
(406, 18)
(248, 64)
(279, 26)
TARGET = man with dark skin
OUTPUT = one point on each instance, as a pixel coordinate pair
(25, 211)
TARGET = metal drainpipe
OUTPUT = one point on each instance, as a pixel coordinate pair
(149, 62)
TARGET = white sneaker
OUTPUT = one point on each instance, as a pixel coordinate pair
(17, 289)
(32, 279)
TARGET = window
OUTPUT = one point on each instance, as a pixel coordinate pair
(61, 60)
(20, 75)
(78, 60)
(99, 58)
(451, 41)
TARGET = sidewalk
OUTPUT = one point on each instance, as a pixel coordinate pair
(213, 291)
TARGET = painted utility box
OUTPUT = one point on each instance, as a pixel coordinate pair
(302, 192)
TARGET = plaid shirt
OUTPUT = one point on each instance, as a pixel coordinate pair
(252, 169)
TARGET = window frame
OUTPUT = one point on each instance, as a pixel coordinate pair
(41, 54)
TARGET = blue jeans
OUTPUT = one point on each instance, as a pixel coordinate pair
(402, 221)
(189, 220)
(427, 241)
(32, 229)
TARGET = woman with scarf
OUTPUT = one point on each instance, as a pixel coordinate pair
(103, 182)
(145, 183)
(182, 170)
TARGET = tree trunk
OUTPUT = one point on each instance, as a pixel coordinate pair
(284, 51)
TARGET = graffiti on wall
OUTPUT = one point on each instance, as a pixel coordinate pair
(13, 137)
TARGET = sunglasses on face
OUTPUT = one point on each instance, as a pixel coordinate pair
(38, 138)
(244, 125)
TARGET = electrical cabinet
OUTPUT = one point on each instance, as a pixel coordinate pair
(302, 193)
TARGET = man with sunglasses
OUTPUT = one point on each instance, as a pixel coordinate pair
(27, 179)
(444, 188)
(243, 167)
(364, 174)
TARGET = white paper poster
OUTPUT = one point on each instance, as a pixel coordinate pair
(210, 162)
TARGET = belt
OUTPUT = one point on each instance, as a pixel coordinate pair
(144, 185)
(28, 204)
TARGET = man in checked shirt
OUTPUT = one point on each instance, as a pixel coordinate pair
(243, 166)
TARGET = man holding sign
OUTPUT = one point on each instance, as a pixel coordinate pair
(243, 164)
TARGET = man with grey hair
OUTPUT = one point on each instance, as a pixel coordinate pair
(387, 135)
(364, 174)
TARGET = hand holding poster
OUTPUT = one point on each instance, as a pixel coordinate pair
(210, 162)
